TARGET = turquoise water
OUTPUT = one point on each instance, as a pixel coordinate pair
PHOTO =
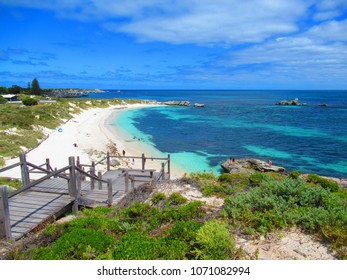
(244, 124)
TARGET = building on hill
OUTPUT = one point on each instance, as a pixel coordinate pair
(10, 97)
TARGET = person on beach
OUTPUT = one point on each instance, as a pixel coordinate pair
(123, 153)
(233, 160)
(270, 162)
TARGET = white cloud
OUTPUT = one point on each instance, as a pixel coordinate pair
(220, 21)
(329, 9)
(293, 59)
(189, 21)
(330, 31)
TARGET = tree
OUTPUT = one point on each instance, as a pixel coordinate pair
(14, 89)
(3, 89)
(35, 87)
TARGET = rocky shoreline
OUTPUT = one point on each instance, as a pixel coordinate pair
(251, 165)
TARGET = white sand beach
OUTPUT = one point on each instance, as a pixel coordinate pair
(87, 136)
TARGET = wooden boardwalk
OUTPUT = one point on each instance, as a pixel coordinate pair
(31, 208)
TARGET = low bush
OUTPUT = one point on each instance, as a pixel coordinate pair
(225, 177)
(177, 199)
(222, 186)
(3, 100)
(79, 244)
(277, 205)
(294, 174)
(214, 242)
(28, 101)
(158, 197)
(256, 178)
(135, 245)
(325, 183)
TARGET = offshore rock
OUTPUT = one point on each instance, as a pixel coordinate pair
(294, 102)
(250, 165)
(177, 103)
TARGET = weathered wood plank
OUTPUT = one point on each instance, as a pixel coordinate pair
(5, 220)
(32, 219)
(30, 198)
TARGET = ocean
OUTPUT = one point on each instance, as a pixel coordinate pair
(239, 124)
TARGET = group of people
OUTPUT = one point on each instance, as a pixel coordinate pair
(232, 160)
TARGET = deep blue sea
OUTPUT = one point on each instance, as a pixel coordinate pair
(240, 124)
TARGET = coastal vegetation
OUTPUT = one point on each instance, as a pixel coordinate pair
(173, 227)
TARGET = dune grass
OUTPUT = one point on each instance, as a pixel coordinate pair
(21, 126)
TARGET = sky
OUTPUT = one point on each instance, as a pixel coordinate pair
(174, 44)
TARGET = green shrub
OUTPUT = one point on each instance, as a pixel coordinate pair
(136, 245)
(184, 230)
(177, 199)
(96, 223)
(225, 177)
(28, 101)
(158, 197)
(136, 210)
(277, 205)
(256, 178)
(79, 244)
(14, 183)
(3, 100)
(325, 183)
(214, 242)
(294, 174)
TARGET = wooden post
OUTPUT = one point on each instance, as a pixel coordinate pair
(126, 181)
(55, 176)
(143, 161)
(48, 166)
(109, 192)
(79, 182)
(100, 183)
(24, 170)
(132, 179)
(73, 184)
(92, 181)
(108, 161)
(78, 164)
(163, 170)
(168, 165)
(92, 172)
(5, 224)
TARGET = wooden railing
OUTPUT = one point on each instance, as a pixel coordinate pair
(75, 174)
(143, 159)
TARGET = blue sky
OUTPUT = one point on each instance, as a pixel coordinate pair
(172, 44)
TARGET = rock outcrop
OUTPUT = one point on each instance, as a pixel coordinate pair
(294, 102)
(250, 165)
(177, 103)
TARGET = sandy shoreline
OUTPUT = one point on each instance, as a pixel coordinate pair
(87, 136)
